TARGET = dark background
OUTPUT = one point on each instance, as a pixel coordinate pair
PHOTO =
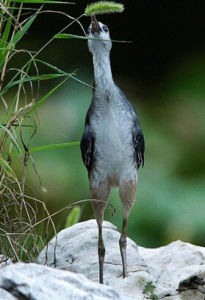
(161, 33)
(162, 72)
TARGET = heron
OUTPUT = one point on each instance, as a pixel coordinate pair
(112, 145)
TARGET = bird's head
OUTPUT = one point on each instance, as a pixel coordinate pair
(100, 32)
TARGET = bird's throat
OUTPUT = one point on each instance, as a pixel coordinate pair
(102, 73)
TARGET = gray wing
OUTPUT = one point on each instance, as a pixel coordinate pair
(87, 143)
(137, 134)
(139, 143)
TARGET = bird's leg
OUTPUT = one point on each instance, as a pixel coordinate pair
(127, 195)
(123, 246)
(99, 197)
(101, 252)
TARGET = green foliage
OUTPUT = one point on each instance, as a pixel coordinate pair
(12, 138)
(20, 33)
(103, 7)
(41, 2)
(47, 95)
(149, 291)
(5, 166)
(22, 216)
(73, 217)
(31, 79)
(54, 146)
(3, 42)
(80, 37)
(70, 36)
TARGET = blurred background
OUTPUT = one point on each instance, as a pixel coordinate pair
(162, 72)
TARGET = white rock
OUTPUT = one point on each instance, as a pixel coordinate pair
(77, 251)
(173, 264)
(37, 282)
(4, 295)
(172, 272)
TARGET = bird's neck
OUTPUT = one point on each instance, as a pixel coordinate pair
(102, 72)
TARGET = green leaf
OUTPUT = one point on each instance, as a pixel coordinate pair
(42, 2)
(6, 167)
(4, 40)
(70, 36)
(53, 146)
(103, 7)
(40, 101)
(17, 37)
(73, 217)
(50, 147)
(31, 78)
(22, 125)
(13, 140)
(53, 67)
(7, 27)
(20, 33)
(71, 75)
(82, 82)
(81, 37)
(6, 32)
(36, 77)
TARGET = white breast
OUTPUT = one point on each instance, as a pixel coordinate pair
(113, 142)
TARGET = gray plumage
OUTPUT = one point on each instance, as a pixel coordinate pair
(112, 145)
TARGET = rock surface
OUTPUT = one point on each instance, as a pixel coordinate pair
(77, 249)
(172, 272)
(36, 282)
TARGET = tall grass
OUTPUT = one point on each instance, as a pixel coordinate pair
(22, 235)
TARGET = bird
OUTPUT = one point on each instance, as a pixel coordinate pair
(112, 144)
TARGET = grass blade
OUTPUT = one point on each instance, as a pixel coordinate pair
(81, 37)
(5, 36)
(39, 102)
(13, 140)
(52, 67)
(50, 147)
(73, 217)
(6, 167)
(70, 36)
(3, 41)
(31, 78)
(42, 2)
(53, 146)
(20, 33)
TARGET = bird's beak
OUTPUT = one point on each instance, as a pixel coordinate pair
(94, 25)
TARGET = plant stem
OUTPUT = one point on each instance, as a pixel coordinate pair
(8, 52)
(43, 47)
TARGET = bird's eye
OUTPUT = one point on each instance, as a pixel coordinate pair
(88, 30)
(105, 28)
